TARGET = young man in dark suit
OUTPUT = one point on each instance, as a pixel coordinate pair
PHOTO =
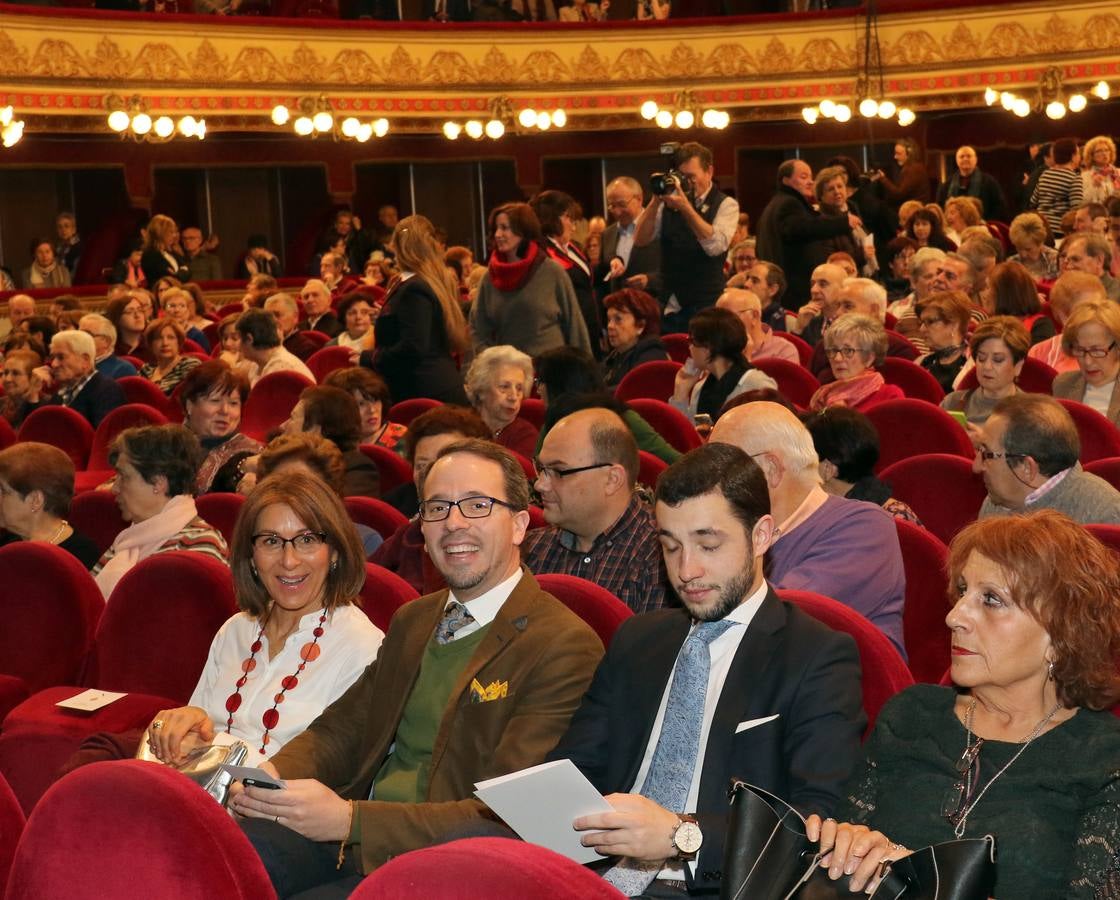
(738, 683)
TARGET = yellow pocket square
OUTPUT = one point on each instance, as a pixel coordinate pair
(493, 691)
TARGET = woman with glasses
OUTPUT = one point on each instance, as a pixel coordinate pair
(998, 347)
(1092, 337)
(129, 318)
(944, 319)
(855, 345)
(297, 570)
(1024, 747)
(374, 404)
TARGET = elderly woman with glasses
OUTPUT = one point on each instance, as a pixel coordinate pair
(1024, 747)
(496, 383)
(998, 347)
(944, 319)
(1092, 337)
(855, 345)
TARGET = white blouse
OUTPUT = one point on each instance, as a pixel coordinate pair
(349, 644)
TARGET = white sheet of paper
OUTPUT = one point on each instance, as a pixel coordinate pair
(88, 701)
(540, 803)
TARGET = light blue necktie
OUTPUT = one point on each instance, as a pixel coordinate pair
(674, 758)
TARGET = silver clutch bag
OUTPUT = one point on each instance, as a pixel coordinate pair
(203, 766)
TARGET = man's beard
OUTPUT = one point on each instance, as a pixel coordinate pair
(730, 596)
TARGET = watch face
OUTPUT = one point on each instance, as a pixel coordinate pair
(688, 837)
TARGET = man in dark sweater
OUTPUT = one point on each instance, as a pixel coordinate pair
(969, 181)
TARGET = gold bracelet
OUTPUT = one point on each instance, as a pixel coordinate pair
(345, 837)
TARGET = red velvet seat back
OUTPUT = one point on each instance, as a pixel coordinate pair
(50, 607)
(925, 633)
(392, 470)
(649, 468)
(1109, 535)
(884, 670)
(326, 359)
(651, 379)
(676, 345)
(7, 435)
(96, 515)
(383, 594)
(221, 511)
(60, 427)
(131, 415)
(11, 827)
(375, 514)
(532, 411)
(500, 869)
(804, 350)
(159, 623)
(912, 428)
(133, 829)
(1100, 439)
(916, 382)
(1108, 469)
(667, 421)
(404, 412)
(141, 390)
(795, 382)
(597, 606)
(271, 402)
(941, 488)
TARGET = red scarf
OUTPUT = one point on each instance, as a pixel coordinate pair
(508, 277)
(849, 393)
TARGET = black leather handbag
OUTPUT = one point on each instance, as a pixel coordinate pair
(768, 857)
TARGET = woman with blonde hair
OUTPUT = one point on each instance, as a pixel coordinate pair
(960, 213)
(1100, 179)
(421, 324)
(163, 255)
(1028, 235)
(1092, 337)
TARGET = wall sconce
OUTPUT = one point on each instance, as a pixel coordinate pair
(130, 119)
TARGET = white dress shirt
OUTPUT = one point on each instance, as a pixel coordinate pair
(723, 226)
(625, 245)
(722, 650)
(485, 608)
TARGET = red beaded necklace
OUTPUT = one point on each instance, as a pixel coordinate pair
(309, 652)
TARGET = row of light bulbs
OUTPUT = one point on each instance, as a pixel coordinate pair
(474, 129)
(683, 118)
(869, 108)
(164, 127)
(11, 128)
(1055, 109)
(542, 120)
(322, 122)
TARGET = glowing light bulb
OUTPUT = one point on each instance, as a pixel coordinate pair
(351, 127)
(303, 126)
(1077, 103)
(322, 121)
(868, 107)
(887, 109)
(1101, 90)
(495, 129)
(118, 120)
(280, 115)
(827, 108)
(559, 118)
(365, 132)
(709, 118)
(685, 119)
(843, 112)
(6, 115)
(474, 129)
(188, 126)
(724, 120)
(200, 129)
(141, 123)
(451, 130)
(649, 110)
(1007, 100)
(906, 117)
(544, 121)
(164, 127)
(381, 127)
(527, 117)
(1055, 109)
(810, 114)
(12, 133)
(664, 118)
(1021, 107)
(991, 95)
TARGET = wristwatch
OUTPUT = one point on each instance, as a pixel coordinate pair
(687, 837)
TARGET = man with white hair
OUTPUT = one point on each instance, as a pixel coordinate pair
(866, 298)
(284, 309)
(761, 341)
(71, 379)
(844, 549)
(104, 336)
(316, 297)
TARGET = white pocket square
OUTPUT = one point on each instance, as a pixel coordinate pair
(754, 723)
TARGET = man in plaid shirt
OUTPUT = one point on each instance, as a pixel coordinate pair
(600, 527)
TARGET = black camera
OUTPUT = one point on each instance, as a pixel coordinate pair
(661, 184)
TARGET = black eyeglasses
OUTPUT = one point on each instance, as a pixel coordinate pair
(306, 543)
(989, 455)
(846, 352)
(1095, 352)
(470, 507)
(544, 471)
(960, 793)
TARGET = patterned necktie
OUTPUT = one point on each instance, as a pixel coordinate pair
(674, 758)
(455, 617)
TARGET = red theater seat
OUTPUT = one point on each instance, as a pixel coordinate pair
(60, 427)
(1100, 439)
(393, 470)
(326, 360)
(676, 345)
(804, 350)
(141, 390)
(649, 468)
(925, 634)
(532, 411)
(375, 514)
(404, 412)
(271, 401)
(134, 829)
(221, 510)
(795, 382)
(669, 422)
(1108, 469)
(941, 488)
(383, 594)
(12, 822)
(884, 671)
(916, 382)
(7, 435)
(96, 515)
(597, 606)
(131, 415)
(913, 428)
(651, 379)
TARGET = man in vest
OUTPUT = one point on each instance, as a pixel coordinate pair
(694, 225)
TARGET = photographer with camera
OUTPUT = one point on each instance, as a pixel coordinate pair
(693, 220)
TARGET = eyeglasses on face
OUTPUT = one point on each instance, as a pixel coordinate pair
(1094, 352)
(306, 543)
(470, 507)
(846, 352)
(550, 472)
(988, 455)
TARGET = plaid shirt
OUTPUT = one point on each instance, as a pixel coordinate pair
(66, 395)
(626, 559)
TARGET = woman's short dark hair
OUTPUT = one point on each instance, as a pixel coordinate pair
(847, 439)
(314, 450)
(30, 466)
(352, 298)
(566, 370)
(172, 451)
(444, 420)
(212, 377)
(936, 228)
(899, 245)
(369, 384)
(335, 411)
(718, 467)
(549, 207)
(1004, 328)
(158, 326)
(522, 221)
(1069, 582)
(1014, 290)
(319, 509)
(720, 332)
(640, 305)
